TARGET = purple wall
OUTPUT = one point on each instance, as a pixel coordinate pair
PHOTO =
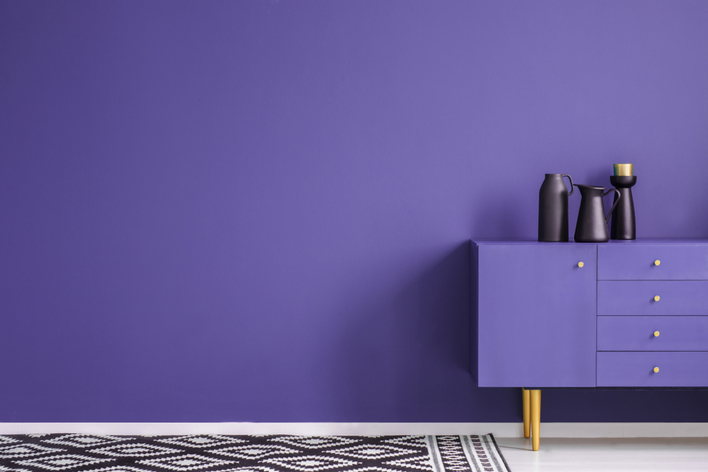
(260, 211)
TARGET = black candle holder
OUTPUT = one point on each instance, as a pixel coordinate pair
(623, 224)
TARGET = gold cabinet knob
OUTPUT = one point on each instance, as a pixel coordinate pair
(657, 298)
(657, 262)
(656, 334)
(581, 264)
(656, 369)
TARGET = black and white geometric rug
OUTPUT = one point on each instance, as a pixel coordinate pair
(218, 453)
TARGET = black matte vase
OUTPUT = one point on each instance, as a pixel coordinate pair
(623, 225)
(553, 208)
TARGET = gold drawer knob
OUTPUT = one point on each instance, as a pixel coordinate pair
(656, 334)
(581, 264)
(656, 369)
(657, 262)
(657, 298)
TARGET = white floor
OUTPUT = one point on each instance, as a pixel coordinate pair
(606, 455)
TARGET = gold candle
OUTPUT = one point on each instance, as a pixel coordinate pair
(624, 170)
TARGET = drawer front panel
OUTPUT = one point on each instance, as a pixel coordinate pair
(636, 333)
(676, 298)
(636, 262)
(635, 369)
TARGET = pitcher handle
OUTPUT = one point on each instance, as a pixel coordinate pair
(572, 188)
(619, 195)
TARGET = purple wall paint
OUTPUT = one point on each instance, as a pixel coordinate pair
(260, 211)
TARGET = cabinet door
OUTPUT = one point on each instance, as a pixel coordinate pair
(536, 320)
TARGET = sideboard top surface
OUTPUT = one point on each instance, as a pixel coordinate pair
(635, 242)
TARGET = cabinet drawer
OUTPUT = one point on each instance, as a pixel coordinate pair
(676, 298)
(636, 333)
(636, 369)
(636, 262)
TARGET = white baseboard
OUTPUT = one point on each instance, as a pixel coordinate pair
(502, 430)
(624, 430)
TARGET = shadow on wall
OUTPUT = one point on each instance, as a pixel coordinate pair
(514, 215)
(407, 355)
(503, 217)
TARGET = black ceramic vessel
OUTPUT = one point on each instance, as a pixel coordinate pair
(592, 222)
(553, 208)
(623, 225)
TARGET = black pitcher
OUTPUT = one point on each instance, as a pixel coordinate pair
(553, 208)
(592, 222)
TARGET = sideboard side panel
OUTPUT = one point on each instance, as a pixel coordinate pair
(536, 315)
(474, 345)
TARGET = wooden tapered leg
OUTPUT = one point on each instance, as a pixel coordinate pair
(525, 400)
(535, 419)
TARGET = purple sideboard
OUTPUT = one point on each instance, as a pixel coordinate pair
(621, 314)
